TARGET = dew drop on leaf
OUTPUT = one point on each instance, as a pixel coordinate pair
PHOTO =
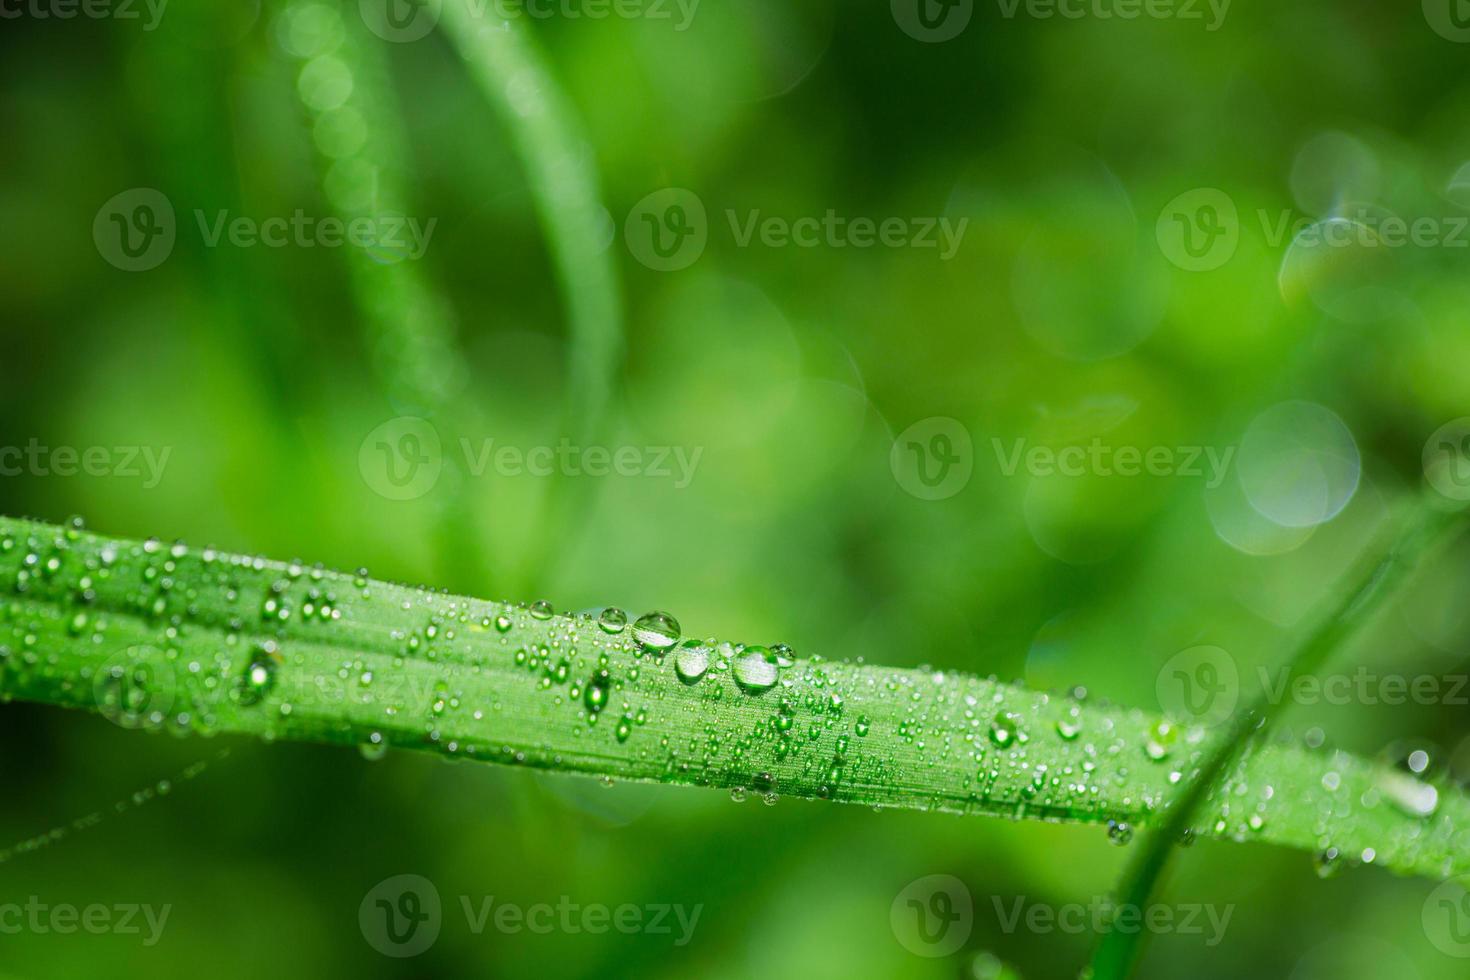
(691, 661)
(754, 672)
(259, 675)
(612, 620)
(656, 631)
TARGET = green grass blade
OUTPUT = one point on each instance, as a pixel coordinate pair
(204, 642)
(504, 60)
(1367, 589)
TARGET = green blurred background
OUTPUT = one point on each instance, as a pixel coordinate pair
(1065, 315)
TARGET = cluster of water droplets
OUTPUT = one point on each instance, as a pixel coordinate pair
(163, 637)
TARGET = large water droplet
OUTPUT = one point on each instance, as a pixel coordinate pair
(692, 661)
(1005, 728)
(754, 672)
(656, 631)
(612, 620)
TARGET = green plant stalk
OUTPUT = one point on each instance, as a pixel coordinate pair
(510, 70)
(1364, 595)
(406, 322)
(203, 642)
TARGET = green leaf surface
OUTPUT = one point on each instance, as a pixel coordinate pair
(199, 641)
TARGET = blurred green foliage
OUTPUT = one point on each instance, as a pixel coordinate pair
(1059, 320)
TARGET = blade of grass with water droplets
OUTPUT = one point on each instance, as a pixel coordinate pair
(1364, 593)
(204, 642)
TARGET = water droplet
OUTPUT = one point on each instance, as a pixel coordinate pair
(597, 691)
(1005, 728)
(502, 623)
(1119, 832)
(375, 748)
(754, 672)
(1328, 862)
(541, 609)
(656, 632)
(1161, 736)
(1070, 727)
(692, 661)
(1412, 796)
(259, 675)
(612, 620)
